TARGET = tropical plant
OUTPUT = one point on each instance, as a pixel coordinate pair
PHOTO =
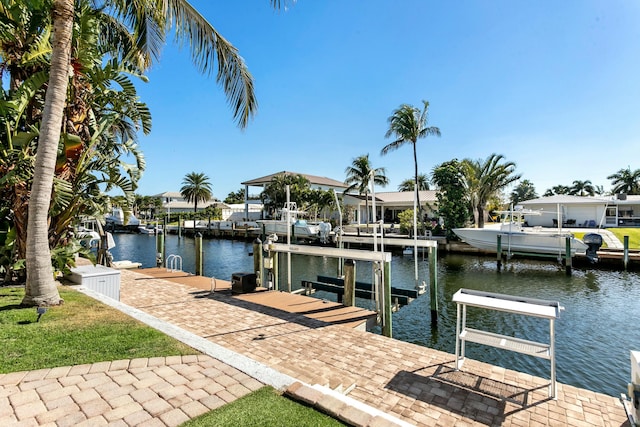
(274, 195)
(557, 189)
(625, 181)
(407, 124)
(525, 190)
(582, 188)
(410, 183)
(150, 22)
(359, 177)
(196, 187)
(484, 179)
(453, 202)
(235, 197)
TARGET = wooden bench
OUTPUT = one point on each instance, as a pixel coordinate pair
(512, 304)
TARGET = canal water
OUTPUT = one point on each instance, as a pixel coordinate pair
(600, 323)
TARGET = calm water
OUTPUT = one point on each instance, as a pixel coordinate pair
(593, 335)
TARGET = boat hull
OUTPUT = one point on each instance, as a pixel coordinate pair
(281, 228)
(538, 242)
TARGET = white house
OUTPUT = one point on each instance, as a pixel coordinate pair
(620, 210)
(173, 202)
(389, 204)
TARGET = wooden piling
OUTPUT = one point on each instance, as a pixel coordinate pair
(349, 283)
(274, 270)
(257, 260)
(433, 283)
(567, 256)
(625, 256)
(387, 327)
(499, 252)
(160, 249)
(179, 227)
(198, 238)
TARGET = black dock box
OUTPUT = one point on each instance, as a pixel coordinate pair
(243, 282)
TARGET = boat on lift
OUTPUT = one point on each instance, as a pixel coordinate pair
(517, 237)
(290, 222)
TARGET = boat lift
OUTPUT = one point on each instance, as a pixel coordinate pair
(382, 259)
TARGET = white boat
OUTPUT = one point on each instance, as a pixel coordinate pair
(518, 238)
(116, 219)
(290, 223)
(149, 229)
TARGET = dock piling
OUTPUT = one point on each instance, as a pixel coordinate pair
(567, 256)
(433, 283)
(257, 260)
(349, 283)
(198, 238)
(387, 327)
(625, 256)
(499, 252)
(160, 249)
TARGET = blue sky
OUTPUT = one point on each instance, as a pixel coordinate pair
(553, 86)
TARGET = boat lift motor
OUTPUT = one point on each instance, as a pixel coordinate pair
(632, 404)
(594, 242)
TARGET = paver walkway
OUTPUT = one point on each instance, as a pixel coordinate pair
(413, 383)
(147, 392)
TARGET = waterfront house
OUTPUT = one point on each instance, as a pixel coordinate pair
(619, 210)
(388, 205)
(174, 202)
(315, 183)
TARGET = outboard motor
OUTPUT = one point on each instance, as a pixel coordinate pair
(593, 241)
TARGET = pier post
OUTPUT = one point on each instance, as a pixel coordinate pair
(387, 327)
(567, 256)
(160, 249)
(257, 260)
(625, 256)
(274, 261)
(433, 283)
(349, 283)
(198, 238)
(499, 252)
(179, 227)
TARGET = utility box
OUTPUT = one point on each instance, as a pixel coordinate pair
(242, 283)
(98, 278)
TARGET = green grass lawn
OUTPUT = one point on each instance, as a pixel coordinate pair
(264, 407)
(633, 233)
(80, 331)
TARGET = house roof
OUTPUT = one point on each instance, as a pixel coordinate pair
(172, 194)
(313, 179)
(566, 199)
(404, 197)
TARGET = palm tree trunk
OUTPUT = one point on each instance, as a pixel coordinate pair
(415, 185)
(41, 288)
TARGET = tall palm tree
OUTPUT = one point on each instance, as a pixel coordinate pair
(484, 179)
(582, 188)
(625, 181)
(523, 191)
(359, 176)
(407, 124)
(196, 188)
(150, 22)
(409, 184)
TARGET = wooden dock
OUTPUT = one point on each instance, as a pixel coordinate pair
(313, 308)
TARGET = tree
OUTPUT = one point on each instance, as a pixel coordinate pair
(235, 197)
(453, 202)
(359, 176)
(625, 181)
(274, 195)
(407, 124)
(484, 179)
(582, 188)
(410, 183)
(150, 22)
(523, 191)
(196, 188)
(557, 189)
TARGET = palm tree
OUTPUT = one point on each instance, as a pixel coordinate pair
(557, 189)
(150, 22)
(359, 176)
(484, 179)
(625, 181)
(582, 188)
(407, 124)
(409, 184)
(523, 191)
(196, 188)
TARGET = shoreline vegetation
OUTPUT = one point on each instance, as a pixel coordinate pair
(84, 331)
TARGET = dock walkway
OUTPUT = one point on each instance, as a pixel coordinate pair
(388, 382)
